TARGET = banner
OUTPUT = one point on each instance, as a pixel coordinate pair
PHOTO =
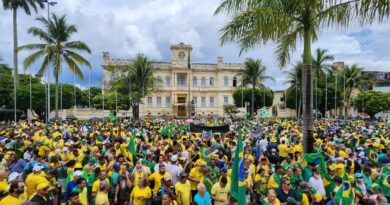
(214, 129)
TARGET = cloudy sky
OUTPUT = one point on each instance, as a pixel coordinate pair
(127, 27)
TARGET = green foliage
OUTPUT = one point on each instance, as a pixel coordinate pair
(259, 97)
(230, 109)
(110, 101)
(374, 102)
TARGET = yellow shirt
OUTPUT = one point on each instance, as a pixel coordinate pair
(197, 175)
(3, 185)
(183, 192)
(277, 202)
(156, 177)
(32, 181)
(101, 199)
(283, 150)
(137, 193)
(95, 185)
(10, 200)
(83, 197)
(220, 193)
(137, 176)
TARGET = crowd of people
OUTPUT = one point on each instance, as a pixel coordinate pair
(163, 162)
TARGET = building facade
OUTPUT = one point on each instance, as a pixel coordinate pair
(184, 88)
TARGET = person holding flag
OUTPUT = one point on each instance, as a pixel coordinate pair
(237, 189)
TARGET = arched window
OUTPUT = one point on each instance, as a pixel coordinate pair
(225, 81)
(203, 81)
(235, 81)
(211, 82)
(194, 81)
(182, 80)
(167, 81)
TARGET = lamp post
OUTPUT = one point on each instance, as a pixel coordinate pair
(49, 3)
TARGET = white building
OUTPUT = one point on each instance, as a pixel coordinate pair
(209, 86)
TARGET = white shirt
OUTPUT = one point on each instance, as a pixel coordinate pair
(174, 170)
(318, 185)
(263, 144)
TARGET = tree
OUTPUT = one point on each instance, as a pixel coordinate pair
(374, 102)
(259, 96)
(111, 100)
(140, 74)
(253, 74)
(56, 50)
(354, 81)
(6, 98)
(230, 110)
(256, 22)
(294, 92)
(14, 5)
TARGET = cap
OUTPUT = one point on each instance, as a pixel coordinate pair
(183, 174)
(168, 178)
(224, 170)
(273, 150)
(12, 176)
(37, 168)
(42, 185)
(78, 173)
(174, 158)
(358, 175)
(116, 165)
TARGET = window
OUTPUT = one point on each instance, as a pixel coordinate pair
(167, 81)
(281, 99)
(181, 80)
(195, 99)
(167, 101)
(158, 101)
(211, 82)
(211, 101)
(150, 102)
(203, 82)
(158, 81)
(194, 81)
(203, 101)
(225, 81)
(225, 100)
(235, 82)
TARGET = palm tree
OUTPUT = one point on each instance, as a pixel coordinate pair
(138, 83)
(354, 81)
(256, 22)
(56, 49)
(254, 74)
(320, 65)
(294, 78)
(14, 5)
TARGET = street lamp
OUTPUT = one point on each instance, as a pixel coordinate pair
(49, 3)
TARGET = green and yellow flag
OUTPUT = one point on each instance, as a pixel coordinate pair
(237, 189)
(133, 148)
(345, 194)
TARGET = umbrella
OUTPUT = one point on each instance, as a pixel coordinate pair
(334, 128)
(59, 119)
(189, 120)
(95, 119)
(70, 118)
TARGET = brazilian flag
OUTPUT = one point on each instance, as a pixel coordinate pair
(133, 148)
(372, 154)
(309, 158)
(345, 194)
(237, 189)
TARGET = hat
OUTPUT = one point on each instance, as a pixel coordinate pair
(91, 160)
(174, 158)
(42, 185)
(78, 173)
(167, 178)
(358, 175)
(13, 176)
(116, 165)
(183, 174)
(273, 150)
(303, 186)
(37, 167)
(224, 170)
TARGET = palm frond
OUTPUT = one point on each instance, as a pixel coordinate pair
(73, 66)
(286, 45)
(77, 45)
(33, 46)
(31, 59)
(78, 58)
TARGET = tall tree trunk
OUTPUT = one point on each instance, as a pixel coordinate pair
(307, 93)
(56, 97)
(253, 98)
(15, 33)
